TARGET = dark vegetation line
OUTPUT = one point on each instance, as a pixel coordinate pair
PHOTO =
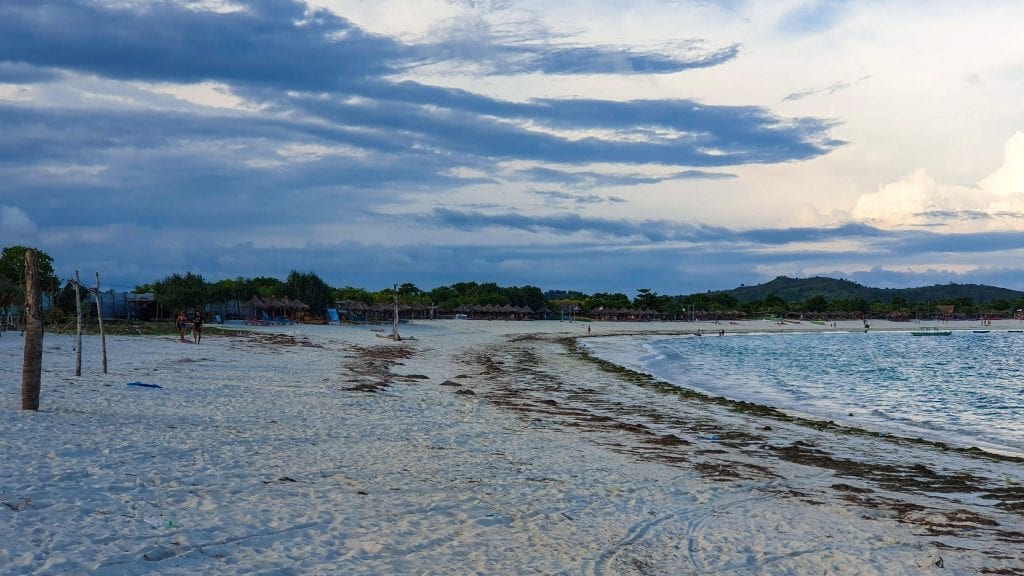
(815, 298)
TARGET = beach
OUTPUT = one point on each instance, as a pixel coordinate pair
(473, 447)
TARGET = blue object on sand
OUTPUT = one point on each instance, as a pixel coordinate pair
(144, 385)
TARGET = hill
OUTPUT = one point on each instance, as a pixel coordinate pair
(800, 289)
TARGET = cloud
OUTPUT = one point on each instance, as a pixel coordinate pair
(643, 231)
(270, 42)
(919, 201)
(20, 73)
(591, 179)
(553, 59)
(812, 17)
(556, 196)
(589, 254)
(285, 42)
(310, 79)
(830, 89)
(330, 138)
(882, 277)
(1008, 180)
(16, 228)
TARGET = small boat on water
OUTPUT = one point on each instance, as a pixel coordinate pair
(931, 332)
(981, 331)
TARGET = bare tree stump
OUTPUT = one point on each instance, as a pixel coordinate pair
(32, 368)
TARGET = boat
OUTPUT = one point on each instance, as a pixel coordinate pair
(981, 331)
(931, 332)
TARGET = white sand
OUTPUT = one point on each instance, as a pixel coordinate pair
(256, 457)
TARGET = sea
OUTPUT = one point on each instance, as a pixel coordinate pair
(965, 389)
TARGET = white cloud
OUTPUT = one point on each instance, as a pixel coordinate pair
(1008, 180)
(918, 199)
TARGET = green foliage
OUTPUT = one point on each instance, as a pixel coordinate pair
(617, 301)
(553, 295)
(774, 304)
(262, 286)
(645, 299)
(12, 267)
(10, 293)
(227, 290)
(350, 293)
(177, 292)
(816, 303)
(311, 290)
(823, 296)
(448, 298)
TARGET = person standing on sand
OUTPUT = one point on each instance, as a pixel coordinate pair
(180, 321)
(197, 327)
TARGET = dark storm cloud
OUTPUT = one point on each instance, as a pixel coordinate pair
(91, 155)
(271, 42)
(274, 48)
(646, 230)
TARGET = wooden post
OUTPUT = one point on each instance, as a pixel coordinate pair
(99, 316)
(32, 368)
(394, 330)
(78, 332)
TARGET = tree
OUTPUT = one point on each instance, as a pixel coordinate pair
(262, 286)
(646, 299)
(607, 301)
(350, 293)
(816, 303)
(774, 304)
(10, 294)
(311, 290)
(532, 297)
(177, 292)
(12, 266)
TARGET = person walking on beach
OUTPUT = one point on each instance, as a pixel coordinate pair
(180, 322)
(197, 327)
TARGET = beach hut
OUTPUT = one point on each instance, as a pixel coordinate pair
(255, 306)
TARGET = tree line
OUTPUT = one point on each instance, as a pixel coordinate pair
(190, 292)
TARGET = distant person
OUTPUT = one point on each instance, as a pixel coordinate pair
(197, 327)
(180, 322)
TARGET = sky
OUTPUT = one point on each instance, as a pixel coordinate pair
(600, 146)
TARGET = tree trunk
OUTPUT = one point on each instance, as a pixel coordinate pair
(32, 369)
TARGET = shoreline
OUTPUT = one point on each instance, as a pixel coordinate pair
(771, 412)
(479, 447)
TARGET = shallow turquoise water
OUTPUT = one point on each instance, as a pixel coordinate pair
(966, 389)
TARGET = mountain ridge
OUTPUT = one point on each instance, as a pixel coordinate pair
(800, 289)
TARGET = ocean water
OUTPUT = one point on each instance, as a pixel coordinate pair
(965, 389)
